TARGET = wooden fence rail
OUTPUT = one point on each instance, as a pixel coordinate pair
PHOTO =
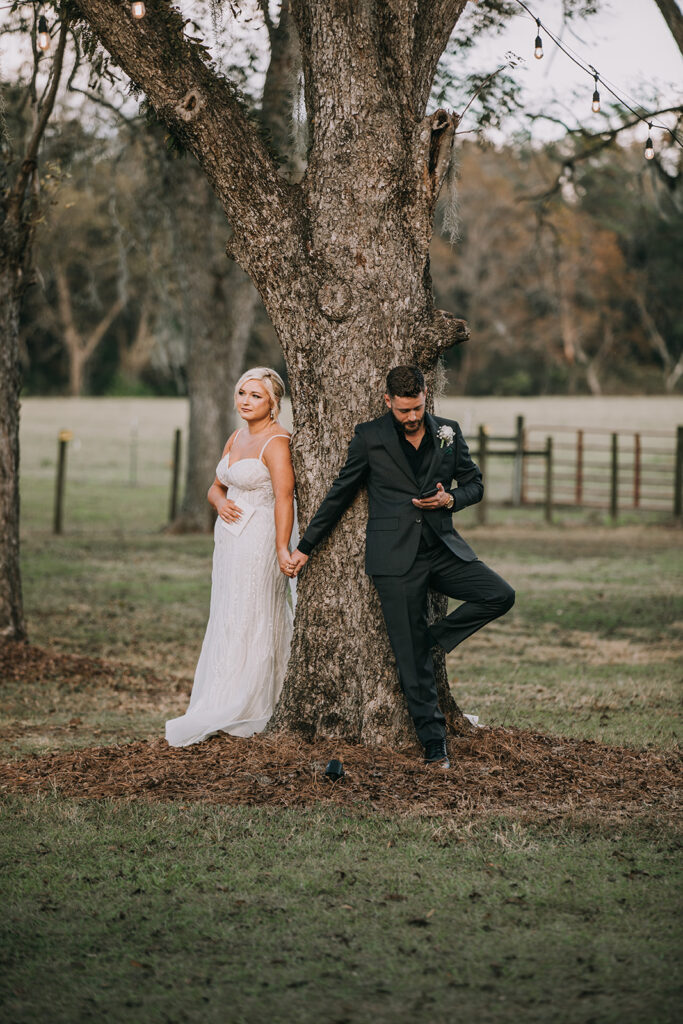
(590, 468)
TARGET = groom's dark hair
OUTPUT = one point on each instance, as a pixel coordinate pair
(405, 382)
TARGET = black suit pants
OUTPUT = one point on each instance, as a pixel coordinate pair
(404, 604)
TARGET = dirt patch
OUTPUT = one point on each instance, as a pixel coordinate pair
(548, 643)
(27, 663)
(492, 769)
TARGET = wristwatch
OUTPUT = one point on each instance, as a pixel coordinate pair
(451, 503)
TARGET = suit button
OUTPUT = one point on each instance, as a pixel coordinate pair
(418, 520)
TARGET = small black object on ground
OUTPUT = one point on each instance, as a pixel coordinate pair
(334, 770)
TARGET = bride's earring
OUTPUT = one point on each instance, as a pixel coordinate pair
(272, 414)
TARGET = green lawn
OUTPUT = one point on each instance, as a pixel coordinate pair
(125, 912)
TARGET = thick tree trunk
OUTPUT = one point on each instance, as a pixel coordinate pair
(341, 263)
(370, 189)
(12, 626)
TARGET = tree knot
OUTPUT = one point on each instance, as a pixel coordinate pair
(442, 125)
(443, 331)
(190, 105)
(335, 300)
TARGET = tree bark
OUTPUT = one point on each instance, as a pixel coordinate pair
(671, 12)
(12, 625)
(341, 263)
(373, 176)
(19, 205)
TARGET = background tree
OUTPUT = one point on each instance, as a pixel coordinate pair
(219, 300)
(19, 211)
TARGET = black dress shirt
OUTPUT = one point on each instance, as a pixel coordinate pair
(418, 458)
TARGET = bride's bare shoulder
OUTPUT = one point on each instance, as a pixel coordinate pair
(229, 442)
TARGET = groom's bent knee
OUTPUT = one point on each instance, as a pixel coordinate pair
(503, 599)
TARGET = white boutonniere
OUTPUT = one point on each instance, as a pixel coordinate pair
(445, 435)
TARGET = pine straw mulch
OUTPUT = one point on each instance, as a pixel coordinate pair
(492, 770)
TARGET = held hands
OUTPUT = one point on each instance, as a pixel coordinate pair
(294, 563)
(284, 561)
(441, 499)
(229, 511)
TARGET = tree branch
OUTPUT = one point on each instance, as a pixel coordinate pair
(434, 24)
(96, 335)
(594, 144)
(205, 112)
(28, 163)
(671, 13)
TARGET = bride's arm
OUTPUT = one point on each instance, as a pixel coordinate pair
(217, 492)
(278, 461)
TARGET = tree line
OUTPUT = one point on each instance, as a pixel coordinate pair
(571, 290)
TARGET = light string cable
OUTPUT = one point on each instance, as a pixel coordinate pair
(588, 69)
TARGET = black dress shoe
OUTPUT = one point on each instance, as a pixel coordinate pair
(436, 753)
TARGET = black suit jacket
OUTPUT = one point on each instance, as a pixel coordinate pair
(395, 525)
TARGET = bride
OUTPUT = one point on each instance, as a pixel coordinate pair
(244, 655)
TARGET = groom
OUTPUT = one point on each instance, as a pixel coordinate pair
(409, 459)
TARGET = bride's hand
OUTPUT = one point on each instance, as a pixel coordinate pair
(284, 561)
(229, 511)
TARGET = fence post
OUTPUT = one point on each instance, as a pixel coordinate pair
(176, 476)
(678, 475)
(578, 484)
(548, 479)
(519, 460)
(614, 488)
(636, 470)
(481, 507)
(63, 439)
(133, 462)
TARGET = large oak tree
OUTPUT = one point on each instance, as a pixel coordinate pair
(341, 262)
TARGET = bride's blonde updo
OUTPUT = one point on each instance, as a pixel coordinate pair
(272, 382)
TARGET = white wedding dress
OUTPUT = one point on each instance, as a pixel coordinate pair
(246, 647)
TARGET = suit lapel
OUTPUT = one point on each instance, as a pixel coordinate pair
(437, 453)
(393, 446)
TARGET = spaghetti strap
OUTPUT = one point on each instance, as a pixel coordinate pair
(268, 442)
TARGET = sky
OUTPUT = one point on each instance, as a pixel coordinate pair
(628, 42)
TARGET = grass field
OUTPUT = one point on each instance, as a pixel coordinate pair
(136, 909)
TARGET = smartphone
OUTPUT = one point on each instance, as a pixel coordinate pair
(430, 493)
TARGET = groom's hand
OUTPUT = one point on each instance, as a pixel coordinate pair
(438, 500)
(297, 561)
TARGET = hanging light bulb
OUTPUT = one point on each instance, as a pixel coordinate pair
(538, 42)
(137, 9)
(649, 148)
(596, 98)
(43, 34)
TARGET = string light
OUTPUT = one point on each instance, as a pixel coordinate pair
(43, 34)
(538, 42)
(590, 70)
(137, 9)
(596, 96)
(649, 148)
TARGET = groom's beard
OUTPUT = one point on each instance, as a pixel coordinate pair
(412, 428)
